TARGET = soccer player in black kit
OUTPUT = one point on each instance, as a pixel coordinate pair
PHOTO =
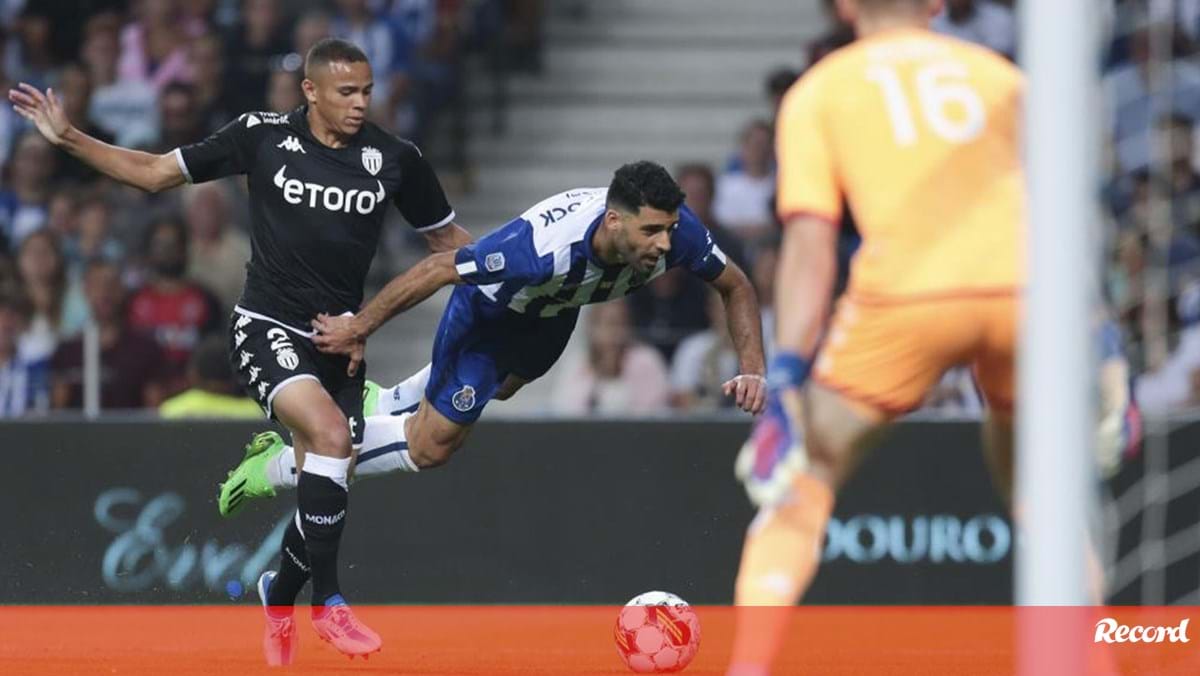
(320, 178)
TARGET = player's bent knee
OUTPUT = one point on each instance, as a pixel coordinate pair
(332, 440)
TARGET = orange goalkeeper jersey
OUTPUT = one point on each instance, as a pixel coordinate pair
(918, 133)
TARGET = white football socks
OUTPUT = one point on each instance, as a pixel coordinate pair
(384, 450)
(404, 396)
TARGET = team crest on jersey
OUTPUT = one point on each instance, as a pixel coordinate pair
(285, 353)
(464, 399)
(372, 160)
(494, 262)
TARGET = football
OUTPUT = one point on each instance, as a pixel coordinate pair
(657, 632)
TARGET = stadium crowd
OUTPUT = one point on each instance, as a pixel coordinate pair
(694, 352)
(157, 274)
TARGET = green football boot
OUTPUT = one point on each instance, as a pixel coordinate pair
(370, 398)
(249, 478)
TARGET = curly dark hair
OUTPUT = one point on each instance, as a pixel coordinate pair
(644, 183)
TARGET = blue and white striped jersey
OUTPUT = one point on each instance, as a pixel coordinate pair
(542, 262)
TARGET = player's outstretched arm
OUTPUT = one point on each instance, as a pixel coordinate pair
(147, 171)
(450, 237)
(745, 326)
(348, 335)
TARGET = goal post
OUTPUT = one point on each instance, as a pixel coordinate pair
(1055, 436)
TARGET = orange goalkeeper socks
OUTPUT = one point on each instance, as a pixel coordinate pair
(779, 561)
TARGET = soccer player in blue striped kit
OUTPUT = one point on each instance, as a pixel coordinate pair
(517, 297)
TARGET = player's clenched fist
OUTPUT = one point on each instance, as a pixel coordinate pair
(749, 392)
(42, 109)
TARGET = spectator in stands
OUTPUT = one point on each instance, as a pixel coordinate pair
(283, 91)
(313, 26)
(62, 216)
(1183, 180)
(618, 375)
(1175, 384)
(355, 22)
(698, 183)
(95, 236)
(181, 117)
(57, 304)
(23, 201)
(10, 122)
(1132, 107)
(762, 274)
(525, 34)
(744, 192)
(778, 82)
(839, 34)
(704, 362)
(669, 309)
(217, 251)
(125, 109)
(212, 391)
(75, 88)
(173, 310)
(30, 57)
(131, 363)
(207, 58)
(1125, 273)
(24, 382)
(983, 22)
(258, 42)
(154, 46)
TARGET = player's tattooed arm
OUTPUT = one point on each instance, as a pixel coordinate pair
(448, 238)
(147, 171)
(745, 326)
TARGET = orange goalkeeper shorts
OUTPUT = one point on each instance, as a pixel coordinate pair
(888, 354)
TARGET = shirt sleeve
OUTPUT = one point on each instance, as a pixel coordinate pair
(693, 247)
(504, 255)
(228, 151)
(420, 198)
(807, 174)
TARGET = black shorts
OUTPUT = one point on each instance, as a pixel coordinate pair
(267, 356)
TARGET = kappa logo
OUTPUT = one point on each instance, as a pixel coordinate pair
(372, 160)
(262, 389)
(245, 359)
(242, 322)
(238, 339)
(293, 144)
(254, 371)
(464, 399)
(330, 197)
(285, 352)
(494, 262)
